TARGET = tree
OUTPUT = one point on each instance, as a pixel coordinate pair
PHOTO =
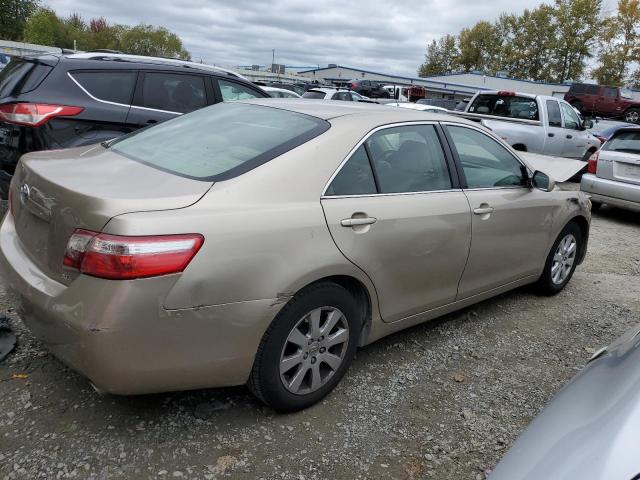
(619, 44)
(153, 41)
(440, 57)
(479, 47)
(45, 28)
(13, 16)
(578, 24)
(76, 33)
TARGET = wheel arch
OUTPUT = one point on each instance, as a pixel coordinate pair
(583, 225)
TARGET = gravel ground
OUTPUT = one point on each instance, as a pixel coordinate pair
(443, 400)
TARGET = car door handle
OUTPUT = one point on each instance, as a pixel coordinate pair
(552, 134)
(483, 210)
(569, 136)
(354, 222)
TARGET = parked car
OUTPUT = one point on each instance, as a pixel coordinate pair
(439, 102)
(534, 123)
(60, 101)
(280, 92)
(613, 173)
(335, 94)
(604, 129)
(369, 88)
(148, 264)
(590, 429)
(605, 101)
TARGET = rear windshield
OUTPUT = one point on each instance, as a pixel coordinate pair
(313, 94)
(624, 141)
(221, 141)
(510, 106)
(21, 76)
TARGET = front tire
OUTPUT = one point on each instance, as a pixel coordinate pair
(307, 349)
(561, 261)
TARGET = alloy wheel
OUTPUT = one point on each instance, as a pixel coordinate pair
(563, 259)
(632, 117)
(314, 350)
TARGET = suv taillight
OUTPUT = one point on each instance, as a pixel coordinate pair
(592, 164)
(35, 114)
(123, 258)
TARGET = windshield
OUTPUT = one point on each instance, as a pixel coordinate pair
(221, 141)
(624, 141)
(626, 93)
(510, 106)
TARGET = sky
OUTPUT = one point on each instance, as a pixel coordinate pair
(379, 35)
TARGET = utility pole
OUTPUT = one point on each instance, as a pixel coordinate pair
(75, 45)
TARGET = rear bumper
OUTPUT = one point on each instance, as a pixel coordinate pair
(119, 335)
(611, 192)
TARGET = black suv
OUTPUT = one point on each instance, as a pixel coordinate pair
(369, 88)
(62, 101)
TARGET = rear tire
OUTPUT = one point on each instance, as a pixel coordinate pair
(561, 261)
(307, 349)
(632, 115)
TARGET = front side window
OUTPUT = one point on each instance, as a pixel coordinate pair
(112, 86)
(355, 177)
(221, 141)
(173, 92)
(486, 163)
(408, 159)
(232, 91)
(505, 105)
(610, 92)
(571, 119)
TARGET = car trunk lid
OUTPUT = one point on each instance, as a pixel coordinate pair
(620, 166)
(55, 192)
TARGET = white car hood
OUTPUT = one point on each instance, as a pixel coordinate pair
(560, 169)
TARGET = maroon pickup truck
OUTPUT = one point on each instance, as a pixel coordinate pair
(604, 101)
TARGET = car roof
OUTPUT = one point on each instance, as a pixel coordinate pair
(144, 60)
(377, 113)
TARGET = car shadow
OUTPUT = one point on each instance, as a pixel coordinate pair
(618, 215)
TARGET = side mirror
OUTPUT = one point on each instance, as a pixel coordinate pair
(588, 123)
(542, 181)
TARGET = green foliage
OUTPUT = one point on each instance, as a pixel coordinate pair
(549, 43)
(46, 28)
(13, 16)
(440, 57)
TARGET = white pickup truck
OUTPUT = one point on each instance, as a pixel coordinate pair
(534, 123)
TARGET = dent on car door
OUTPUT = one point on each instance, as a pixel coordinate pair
(394, 210)
(511, 222)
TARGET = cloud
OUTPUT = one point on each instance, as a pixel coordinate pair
(381, 35)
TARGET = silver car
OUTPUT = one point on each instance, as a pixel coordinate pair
(613, 173)
(589, 431)
(263, 242)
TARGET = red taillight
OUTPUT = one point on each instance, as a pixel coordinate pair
(35, 114)
(122, 258)
(592, 163)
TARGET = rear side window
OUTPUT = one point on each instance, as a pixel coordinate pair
(234, 91)
(592, 89)
(313, 94)
(173, 92)
(110, 86)
(21, 76)
(577, 88)
(553, 110)
(344, 96)
(221, 141)
(511, 106)
(355, 177)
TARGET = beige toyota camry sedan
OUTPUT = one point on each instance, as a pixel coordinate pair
(263, 242)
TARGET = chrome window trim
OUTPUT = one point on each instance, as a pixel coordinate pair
(116, 103)
(500, 142)
(364, 195)
(360, 143)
